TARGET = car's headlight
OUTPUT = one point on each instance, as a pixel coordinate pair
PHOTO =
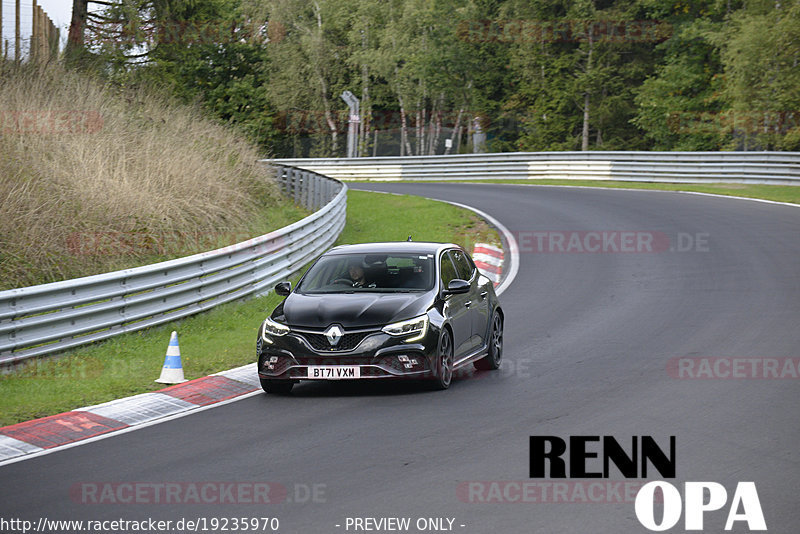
(416, 327)
(271, 328)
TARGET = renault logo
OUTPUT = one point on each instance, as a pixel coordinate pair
(334, 334)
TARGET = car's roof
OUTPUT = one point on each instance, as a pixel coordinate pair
(420, 247)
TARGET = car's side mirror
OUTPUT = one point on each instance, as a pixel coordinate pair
(283, 289)
(456, 286)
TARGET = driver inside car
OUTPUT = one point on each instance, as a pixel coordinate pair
(356, 272)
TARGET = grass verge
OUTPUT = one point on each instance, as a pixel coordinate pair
(777, 193)
(95, 178)
(222, 338)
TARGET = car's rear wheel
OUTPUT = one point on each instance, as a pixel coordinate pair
(276, 387)
(494, 356)
(444, 362)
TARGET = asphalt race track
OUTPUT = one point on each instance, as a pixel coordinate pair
(590, 339)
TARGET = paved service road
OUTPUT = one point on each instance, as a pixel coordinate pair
(593, 345)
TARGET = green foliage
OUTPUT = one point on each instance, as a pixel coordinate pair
(535, 74)
(672, 105)
(760, 50)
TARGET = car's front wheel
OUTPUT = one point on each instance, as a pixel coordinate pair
(276, 387)
(494, 356)
(443, 370)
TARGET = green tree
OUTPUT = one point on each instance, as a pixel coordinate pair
(760, 52)
(678, 105)
(577, 64)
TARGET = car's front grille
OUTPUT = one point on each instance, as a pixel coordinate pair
(347, 342)
(332, 360)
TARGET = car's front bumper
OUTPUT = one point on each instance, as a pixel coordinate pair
(377, 354)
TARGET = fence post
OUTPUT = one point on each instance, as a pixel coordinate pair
(55, 38)
(308, 189)
(279, 178)
(296, 186)
(33, 52)
(314, 186)
(17, 54)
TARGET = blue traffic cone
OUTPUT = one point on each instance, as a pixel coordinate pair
(172, 372)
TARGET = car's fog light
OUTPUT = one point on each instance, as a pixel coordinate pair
(408, 363)
(270, 364)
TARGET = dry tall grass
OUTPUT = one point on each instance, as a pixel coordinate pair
(93, 179)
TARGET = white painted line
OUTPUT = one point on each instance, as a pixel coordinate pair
(11, 448)
(765, 201)
(140, 409)
(195, 410)
(647, 190)
(247, 374)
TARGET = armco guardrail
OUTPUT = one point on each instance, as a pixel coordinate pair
(687, 167)
(45, 319)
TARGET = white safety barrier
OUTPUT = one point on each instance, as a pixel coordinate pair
(679, 167)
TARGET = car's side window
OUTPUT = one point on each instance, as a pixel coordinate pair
(463, 265)
(448, 270)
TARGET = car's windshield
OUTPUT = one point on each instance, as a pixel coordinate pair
(345, 273)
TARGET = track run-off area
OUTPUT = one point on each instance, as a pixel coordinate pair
(632, 313)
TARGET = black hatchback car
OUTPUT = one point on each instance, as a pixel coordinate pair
(382, 311)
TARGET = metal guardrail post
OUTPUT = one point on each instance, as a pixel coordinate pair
(309, 189)
(295, 174)
(282, 179)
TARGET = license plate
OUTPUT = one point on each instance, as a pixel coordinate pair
(334, 372)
